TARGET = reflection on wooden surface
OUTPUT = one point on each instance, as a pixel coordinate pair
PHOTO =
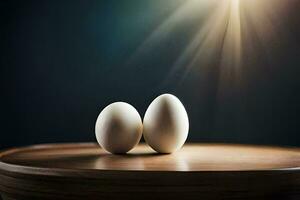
(192, 157)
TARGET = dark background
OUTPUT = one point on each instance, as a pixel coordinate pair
(64, 61)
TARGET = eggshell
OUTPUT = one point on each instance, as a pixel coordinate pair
(166, 124)
(118, 127)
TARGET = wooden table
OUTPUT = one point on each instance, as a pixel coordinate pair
(198, 171)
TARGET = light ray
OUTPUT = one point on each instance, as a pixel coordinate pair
(219, 35)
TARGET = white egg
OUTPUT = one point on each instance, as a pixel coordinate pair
(118, 127)
(166, 124)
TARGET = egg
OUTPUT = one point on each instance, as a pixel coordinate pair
(166, 124)
(118, 128)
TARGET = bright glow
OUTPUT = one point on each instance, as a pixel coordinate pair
(224, 26)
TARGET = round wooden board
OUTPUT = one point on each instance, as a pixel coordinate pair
(207, 171)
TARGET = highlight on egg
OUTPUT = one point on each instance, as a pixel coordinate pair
(166, 124)
(118, 128)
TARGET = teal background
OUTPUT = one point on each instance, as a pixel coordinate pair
(64, 61)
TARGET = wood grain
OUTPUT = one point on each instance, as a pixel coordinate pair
(207, 171)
